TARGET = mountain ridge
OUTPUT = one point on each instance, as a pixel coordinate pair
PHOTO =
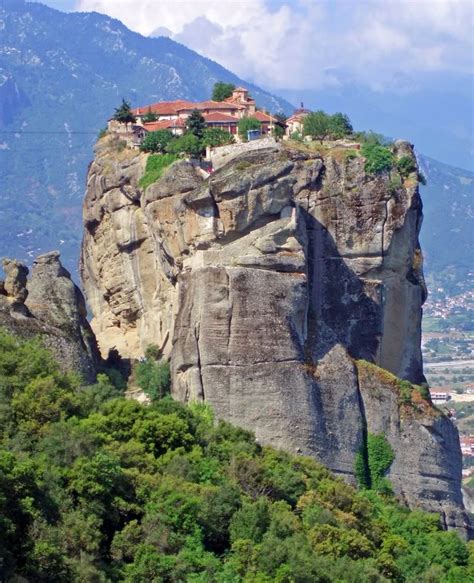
(63, 74)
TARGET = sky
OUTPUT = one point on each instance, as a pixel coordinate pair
(384, 50)
(310, 43)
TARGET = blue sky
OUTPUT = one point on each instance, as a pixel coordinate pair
(412, 57)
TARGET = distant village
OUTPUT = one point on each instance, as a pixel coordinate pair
(224, 115)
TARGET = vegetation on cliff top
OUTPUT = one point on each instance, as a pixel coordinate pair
(94, 487)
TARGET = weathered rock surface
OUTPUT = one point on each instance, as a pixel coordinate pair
(51, 306)
(262, 284)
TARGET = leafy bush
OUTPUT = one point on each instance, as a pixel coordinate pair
(378, 159)
(156, 141)
(372, 138)
(222, 91)
(320, 125)
(380, 457)
(153, 378)
(214, 137)
(247, 124)
(155, 166)
(187, 144)
(149, 116)
(406, 165)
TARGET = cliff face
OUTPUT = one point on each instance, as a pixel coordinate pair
(50, 306)
(263, 283)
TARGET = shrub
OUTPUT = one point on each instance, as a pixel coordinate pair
(246, 124)
(380, 457)
(214, 137)
(156, 141)
(296, 136)
(406, 165)
(187, 144)
(378, 158)
(153, 377)
(149, 117)
(372, 138)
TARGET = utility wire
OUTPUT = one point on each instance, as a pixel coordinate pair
(64, 133)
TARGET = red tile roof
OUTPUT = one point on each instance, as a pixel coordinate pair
(217, 117)
(212, 105)
(163, 124)
(264, 117)
(164, 107)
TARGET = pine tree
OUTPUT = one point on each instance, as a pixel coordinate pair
(196, 124)
(124, 113)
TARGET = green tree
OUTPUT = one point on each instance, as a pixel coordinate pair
(222, 91)
(406, 165)
(149, 116)
(124, 113)
(280, 124)
(246, 124)
(156, 141)
(317, 125)
(153, 377)
(339, 125)
(215, 137)
(196, 124)
(187, 144)
(378, 158)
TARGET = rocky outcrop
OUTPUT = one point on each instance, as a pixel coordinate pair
(51, 306)
(263, 284)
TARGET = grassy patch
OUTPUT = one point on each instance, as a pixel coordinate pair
(411, 397)
(155, 166)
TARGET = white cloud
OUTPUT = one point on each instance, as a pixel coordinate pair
(312, 43)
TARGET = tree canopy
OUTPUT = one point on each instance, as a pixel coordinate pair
(246, 124)
(156, 141)
(188, 144)
(222, 91)
(149, 116)
(124, 113)
(216, 137)
(95, 487)
(321, 125)
(196, 124)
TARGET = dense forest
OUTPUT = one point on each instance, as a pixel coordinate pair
(97, 488)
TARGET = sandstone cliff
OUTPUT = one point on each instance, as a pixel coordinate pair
(263, 284)
(50, 306)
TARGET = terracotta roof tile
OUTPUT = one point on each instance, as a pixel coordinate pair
(265, 117)
(217, 117)
(163, 124)
(163, 107)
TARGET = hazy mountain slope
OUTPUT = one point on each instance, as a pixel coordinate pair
(61, 75)
(447, 234)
